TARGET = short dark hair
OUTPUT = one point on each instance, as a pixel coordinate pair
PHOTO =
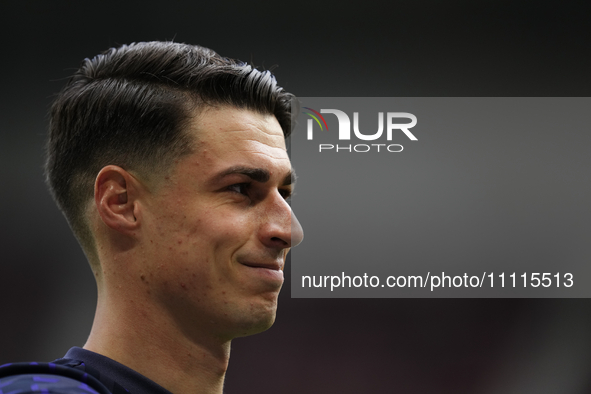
(130, 106)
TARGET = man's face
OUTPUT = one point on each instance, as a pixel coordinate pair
(218, 229)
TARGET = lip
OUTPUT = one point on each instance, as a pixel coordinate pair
(273, 265)
(269, 270)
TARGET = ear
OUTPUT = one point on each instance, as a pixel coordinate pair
(116, 198)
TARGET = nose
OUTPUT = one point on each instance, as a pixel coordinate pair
(297, 232)
(280, 228)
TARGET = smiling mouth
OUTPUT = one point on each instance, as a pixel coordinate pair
(270, 266)
(270, 272)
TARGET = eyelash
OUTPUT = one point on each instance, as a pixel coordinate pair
(286, 194)
(244, 189)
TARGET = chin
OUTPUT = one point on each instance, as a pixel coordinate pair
(256, 320)
(255, 329)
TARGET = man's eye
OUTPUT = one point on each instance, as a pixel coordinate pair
(241, 188)
(286, 194)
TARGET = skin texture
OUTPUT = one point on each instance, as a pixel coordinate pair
(196, 261)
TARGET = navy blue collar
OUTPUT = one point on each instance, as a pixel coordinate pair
(117, 377)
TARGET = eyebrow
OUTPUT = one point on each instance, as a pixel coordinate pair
(257, 174)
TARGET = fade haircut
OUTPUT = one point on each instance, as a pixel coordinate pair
(130, 107)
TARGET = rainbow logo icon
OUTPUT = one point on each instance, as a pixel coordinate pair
(316, 118)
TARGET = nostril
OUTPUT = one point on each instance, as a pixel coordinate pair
(279, 240)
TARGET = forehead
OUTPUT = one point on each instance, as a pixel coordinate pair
(233, 136)
(236, 126)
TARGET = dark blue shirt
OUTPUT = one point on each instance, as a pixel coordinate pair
(79, 371)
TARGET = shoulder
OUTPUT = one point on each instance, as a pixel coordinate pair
(40, 383)
(23, 378)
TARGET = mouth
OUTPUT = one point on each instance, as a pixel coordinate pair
(269, 271)
(274, 266)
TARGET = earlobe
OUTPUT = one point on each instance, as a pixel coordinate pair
(115, 197)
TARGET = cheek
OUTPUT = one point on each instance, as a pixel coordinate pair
(193, 248)
(193, 244)
(225, 230)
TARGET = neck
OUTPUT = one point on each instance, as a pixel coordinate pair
(134, 334)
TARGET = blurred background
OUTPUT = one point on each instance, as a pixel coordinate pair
(345, 48)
